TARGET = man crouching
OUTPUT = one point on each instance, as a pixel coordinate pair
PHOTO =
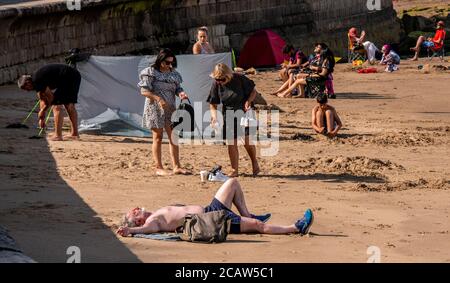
(56, 85)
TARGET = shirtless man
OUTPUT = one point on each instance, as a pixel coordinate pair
(325, 119)
(167, 219)
(56, 85)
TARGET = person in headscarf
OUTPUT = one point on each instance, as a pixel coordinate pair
(390, 58)
(358, 42)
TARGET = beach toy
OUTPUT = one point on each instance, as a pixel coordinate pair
(367, 71)
(357, 63)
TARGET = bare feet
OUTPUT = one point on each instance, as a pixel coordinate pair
(234, 174)
(413, 59)
(413, 49)
(274, 93)
(56, 138)
(256, 170)
(72, 137)
(162, 172)
(181, 171)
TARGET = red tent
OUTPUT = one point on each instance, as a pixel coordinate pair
(262, 49)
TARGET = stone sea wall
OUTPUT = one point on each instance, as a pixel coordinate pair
(39, 32)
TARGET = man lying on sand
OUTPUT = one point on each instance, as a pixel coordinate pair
(325, 119)
(167, 219)
(56, 85)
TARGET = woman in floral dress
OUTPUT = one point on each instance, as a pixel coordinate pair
(160, 83)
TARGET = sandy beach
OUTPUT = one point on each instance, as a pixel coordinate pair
(383, 182)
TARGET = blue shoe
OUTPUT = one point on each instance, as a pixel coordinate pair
(263, 218)
(305, 223)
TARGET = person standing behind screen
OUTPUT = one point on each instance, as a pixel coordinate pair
(202, 46)
(160, 83)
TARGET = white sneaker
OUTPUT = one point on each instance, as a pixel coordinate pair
(218, 177)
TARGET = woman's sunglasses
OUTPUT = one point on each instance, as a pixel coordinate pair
(168, 63)
(221, 80)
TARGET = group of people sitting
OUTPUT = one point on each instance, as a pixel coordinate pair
(300, 71)
(361, 50)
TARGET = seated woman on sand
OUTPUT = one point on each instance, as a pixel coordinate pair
(202, 46)
(321, 66)
(358, 43)
(390, 58)
(296, 60)
(325, 119)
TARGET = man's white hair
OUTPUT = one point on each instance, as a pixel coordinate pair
(22, 81)
(127, 222)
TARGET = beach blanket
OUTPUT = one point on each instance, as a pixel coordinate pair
(159, 236)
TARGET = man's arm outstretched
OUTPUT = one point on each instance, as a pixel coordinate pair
(148, 228)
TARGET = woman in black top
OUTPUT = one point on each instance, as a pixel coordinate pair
(236, 93)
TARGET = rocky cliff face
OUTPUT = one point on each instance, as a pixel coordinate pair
(32, 35)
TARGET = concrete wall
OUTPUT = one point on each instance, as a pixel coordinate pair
(32, 35)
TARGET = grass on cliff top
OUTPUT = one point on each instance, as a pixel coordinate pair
(426, 11)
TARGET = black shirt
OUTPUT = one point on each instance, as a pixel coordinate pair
(53, 76)
(234, 94)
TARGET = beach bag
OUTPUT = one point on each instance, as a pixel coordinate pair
(210, 227)
(184, 112)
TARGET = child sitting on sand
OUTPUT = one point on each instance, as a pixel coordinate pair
(390, 58)
(325, 119)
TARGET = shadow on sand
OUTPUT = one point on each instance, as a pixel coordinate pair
(362, 95)
(42, 212)
(329, 178)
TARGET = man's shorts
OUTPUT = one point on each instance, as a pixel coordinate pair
(216, 205)
(68, 92)
(428, 44)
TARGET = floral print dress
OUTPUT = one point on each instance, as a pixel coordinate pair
(166, 86)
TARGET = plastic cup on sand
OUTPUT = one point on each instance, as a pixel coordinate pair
(204, 176)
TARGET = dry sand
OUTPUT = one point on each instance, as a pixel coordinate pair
(383, 182)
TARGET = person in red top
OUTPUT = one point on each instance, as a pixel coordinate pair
(435, 43)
